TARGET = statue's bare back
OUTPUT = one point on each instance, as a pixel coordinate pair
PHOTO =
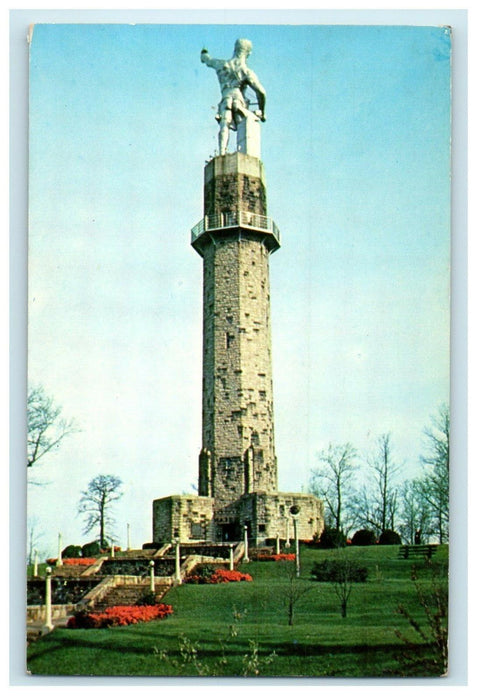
(234, 77)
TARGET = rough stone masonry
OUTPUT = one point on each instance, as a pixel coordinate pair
(238, 481)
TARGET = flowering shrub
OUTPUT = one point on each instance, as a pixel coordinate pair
(207, 573)
(276, 557)
(119, 615)
(226, 576)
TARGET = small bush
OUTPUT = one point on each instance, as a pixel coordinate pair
(331, 538)
(389, 537)
(91, 549)
(337, 571)
(147, 599)
(201, 573)
(72, 551)
(363, 538)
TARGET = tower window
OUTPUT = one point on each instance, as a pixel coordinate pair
(229, 337)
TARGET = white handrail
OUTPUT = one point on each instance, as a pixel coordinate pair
(231, 219)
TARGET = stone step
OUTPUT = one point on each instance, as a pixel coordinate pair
(129, 594)
(69, 571)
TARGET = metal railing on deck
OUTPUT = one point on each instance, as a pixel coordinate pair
(246, 219)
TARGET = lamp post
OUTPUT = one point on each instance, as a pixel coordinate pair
(48, 625)
(278, 543)
(294, 511)
(178, 562)
(231, 557)
(287, 543)
(245, 543)
(152, 587)
(59, 561)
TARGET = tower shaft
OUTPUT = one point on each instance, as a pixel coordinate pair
(238, 448)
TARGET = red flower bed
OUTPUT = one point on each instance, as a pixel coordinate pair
(276, 557)
(120, 615)
(79, 561)
(227, 576)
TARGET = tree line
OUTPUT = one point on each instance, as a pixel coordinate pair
(370, 493)
(415, 508)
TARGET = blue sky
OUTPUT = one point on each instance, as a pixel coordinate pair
(356, 152)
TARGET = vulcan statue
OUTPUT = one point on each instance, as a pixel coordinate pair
(234, 77)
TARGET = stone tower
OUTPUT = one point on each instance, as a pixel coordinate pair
(238, 484)
(235, 239)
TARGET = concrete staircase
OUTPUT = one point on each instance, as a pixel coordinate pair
(67, 571)
(129, 594)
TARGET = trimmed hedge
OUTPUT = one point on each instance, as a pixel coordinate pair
(91, 549)
(331, 538)
(363, 538)
(389, 537)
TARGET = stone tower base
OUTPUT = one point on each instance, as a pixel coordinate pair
(266, 515)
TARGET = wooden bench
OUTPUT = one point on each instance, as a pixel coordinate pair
(409, 551)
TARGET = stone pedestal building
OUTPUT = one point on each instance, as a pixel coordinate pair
(238, 484)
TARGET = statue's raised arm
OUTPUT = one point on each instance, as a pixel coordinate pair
(234, 77)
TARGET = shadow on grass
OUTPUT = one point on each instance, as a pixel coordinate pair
(144, 643)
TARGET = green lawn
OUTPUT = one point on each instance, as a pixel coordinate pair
(239, 629)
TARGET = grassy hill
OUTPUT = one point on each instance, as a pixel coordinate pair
(241, 629)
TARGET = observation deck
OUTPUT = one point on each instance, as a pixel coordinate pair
(227, 223)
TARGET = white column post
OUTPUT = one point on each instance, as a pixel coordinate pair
(245, 543)
(278, 543)
(287, 543)
(48, 625)
(297, 545)
(178, 562)
(35, 564)
(152, 586)
(231, 557)
(59, 561)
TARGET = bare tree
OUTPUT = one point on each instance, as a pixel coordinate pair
(376, 505)
(434, 485)
(46, 427)
(96, 503)
(294, 589)
(332, 482)
(34, 537)
(414, 512)
(384, 471)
